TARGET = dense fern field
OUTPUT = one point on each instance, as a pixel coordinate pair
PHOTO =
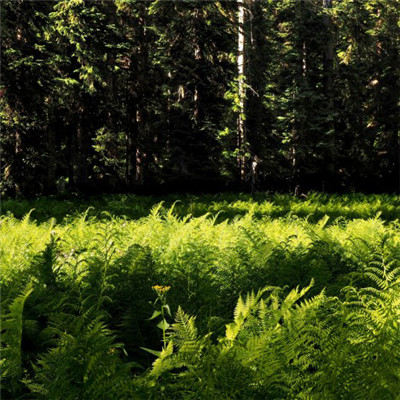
(211, 297)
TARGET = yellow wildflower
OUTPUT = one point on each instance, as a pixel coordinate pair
(161, 289)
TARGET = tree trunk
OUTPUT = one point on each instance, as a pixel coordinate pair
(82, 165)
(52, 160)
(17, 164)
(328, 65)
(241, 70)
(140, 154)
(134, 153)
(198, 57)
(135, 141)
(70, 155)
(131, 139)
(298, 126)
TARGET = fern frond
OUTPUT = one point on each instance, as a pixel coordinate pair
(184, 329)
(12, 324)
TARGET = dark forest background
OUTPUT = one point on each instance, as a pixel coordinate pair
(162, 96)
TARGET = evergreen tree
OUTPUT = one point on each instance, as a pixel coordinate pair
(124, 95)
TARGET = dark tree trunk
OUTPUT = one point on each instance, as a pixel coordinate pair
(131, 139)
(298, 132)
(17, 164)
(328, 68)
(241, 71)
(52, 160)
(70, 155)
(82, 162)
(136, 155)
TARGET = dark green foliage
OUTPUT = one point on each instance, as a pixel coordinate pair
(85, 364)
(223, 206)
(11, 342)
(125, 96)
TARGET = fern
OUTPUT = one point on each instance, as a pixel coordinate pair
(291, 340)
(183, 330)
(258, 357)
(44, 265)
(85, 365)
(242, 312)
(12, 325)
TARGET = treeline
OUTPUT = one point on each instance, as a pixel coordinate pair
(124, 95)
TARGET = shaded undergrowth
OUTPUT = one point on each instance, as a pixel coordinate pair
(227, 206)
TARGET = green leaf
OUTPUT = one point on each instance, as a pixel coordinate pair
(166, 306)
(154, 352)
(155, 315)
(163, 325)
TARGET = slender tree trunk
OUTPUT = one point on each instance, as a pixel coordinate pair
(140, 154)
(127, 158)
(131, 143)
(136, 143)
(196, 95)
(134, 153)
(82, 166)
(52, 159)
(198, 57)
(70, 155)
(132, 137)
(137, 70)
(140, 61)
(328, 65)
(298, 127)
(17, 167)
(241, 62)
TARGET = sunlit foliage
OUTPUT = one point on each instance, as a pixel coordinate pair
(286, 306)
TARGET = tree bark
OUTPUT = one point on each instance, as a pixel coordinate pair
(241, 71)
(298, 126)
(17, 164)
(135, 140)
(82, 165)
(197, 57)
(328, 68)
(52, 160)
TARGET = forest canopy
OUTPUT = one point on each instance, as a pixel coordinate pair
(147, 96)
